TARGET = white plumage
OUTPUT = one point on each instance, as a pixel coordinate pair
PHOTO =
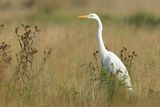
(110, 61)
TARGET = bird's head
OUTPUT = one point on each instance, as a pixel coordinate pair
(90, 16)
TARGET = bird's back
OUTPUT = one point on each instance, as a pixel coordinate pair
(114, 65)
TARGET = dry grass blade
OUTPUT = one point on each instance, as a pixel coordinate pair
(5, 58)
(44, 60)
(1, 28)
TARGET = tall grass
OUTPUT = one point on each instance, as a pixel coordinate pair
(64, 79)
(23, 85)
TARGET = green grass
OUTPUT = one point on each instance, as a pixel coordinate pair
(44, 17)
(143, 18)
(138, 19)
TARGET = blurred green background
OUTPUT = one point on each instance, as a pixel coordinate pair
(130, 11)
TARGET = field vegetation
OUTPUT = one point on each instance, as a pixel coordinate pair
(48, 57)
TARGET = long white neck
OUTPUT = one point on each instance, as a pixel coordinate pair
(102, 48)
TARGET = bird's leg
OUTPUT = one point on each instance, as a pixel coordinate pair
(112, 71)
(113, 75)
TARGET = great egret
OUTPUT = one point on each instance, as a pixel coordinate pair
(110, 61)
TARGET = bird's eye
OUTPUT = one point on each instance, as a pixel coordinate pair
(91, 15)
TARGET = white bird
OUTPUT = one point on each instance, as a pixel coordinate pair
(110, 61)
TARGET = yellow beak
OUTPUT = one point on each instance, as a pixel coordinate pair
(83, 17)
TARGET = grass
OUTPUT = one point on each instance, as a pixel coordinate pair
(44, 17)
(62, 81)
(137, 19)
(143, 19)
(58, 77)
(70, 75)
